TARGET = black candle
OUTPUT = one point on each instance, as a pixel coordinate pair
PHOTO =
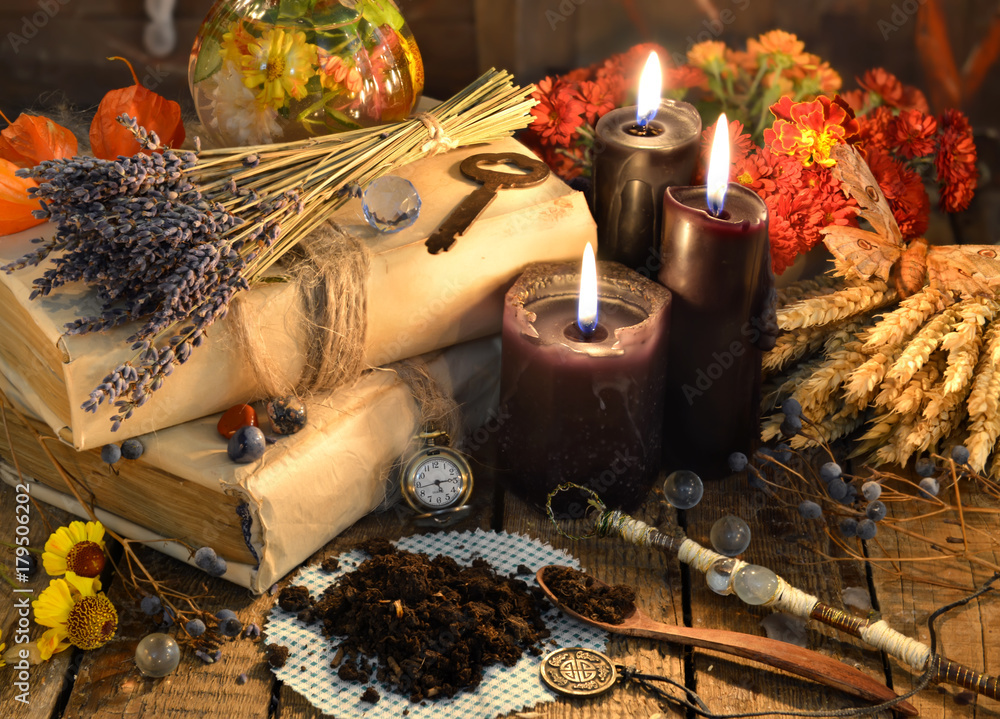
(633, 165)
(583, 401)
(718, 269)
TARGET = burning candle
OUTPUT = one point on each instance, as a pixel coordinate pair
(716, 263)
(639, 152)
(581, 388)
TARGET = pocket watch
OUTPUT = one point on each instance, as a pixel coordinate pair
(436, 480)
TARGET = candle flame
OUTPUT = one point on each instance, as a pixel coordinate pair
(650, 85)
(718, 167)
(586, 314)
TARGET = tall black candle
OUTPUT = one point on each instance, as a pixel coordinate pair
(633, 165)
(719, 271)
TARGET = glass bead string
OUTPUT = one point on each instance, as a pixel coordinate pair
(785, 597)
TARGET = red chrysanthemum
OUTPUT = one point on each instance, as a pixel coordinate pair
(558, 113)
(597, 99)
(892, 92)
(754, 173)
(956, 161)
(783, 235)
(913, 133)
(873, 128)
(685, 77)
(740, 143)
(808, 130)
(904, 190)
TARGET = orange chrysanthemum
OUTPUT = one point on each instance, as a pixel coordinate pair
(558, 113)
(913, 133)
(778, 48)
(809, 130)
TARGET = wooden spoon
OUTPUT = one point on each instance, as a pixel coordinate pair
(792, 659)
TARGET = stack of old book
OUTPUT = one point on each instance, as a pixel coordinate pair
(265, 518)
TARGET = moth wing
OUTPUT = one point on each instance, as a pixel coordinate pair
(867, 252)
(857, 181)
(973, 270)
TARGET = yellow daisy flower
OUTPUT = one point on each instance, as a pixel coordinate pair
(76, 612)
(78, 548)
(279, 63)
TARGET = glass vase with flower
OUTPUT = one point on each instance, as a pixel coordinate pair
(265, 71)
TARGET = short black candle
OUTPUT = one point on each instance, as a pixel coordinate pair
(633, 165)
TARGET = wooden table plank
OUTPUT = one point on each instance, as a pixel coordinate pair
(732, 684)
(48, 680)
(110, 685)
(969, 634)
(656, 579)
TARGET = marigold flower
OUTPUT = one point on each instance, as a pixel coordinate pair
(778, 48)
(78, 614)
(709, 56)
(558, 113)
(808, 130)
(913, 133)
(280, 64)
(77, 548)
(956, 161)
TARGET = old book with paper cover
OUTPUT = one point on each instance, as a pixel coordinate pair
(411, 302)
(268, 516)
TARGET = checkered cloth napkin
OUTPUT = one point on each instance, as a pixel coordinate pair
(503, 689)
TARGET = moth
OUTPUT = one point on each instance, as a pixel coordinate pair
(971, 270)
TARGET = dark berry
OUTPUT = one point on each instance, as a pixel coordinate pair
(792, 408)
(849, 527)
(867, 529)
(837, 489)
(830, 471)
(925, 467)
(876, 511)
(810, 510)
(960, 454)
(217, 568)
(737, 462)
(871, 490)
(111, 453)
(783, 453)
(205, 558)
(151, 605)
(195, 627)
(791, 426)
(850, 495)
(26, 564)
(929, 487)
(132, 449)
(229, 624)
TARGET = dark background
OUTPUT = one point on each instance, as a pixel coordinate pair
(52, 52)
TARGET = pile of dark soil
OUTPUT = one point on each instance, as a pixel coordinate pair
(433, 625)
(579, 592)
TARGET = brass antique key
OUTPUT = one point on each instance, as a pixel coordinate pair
(459, 221)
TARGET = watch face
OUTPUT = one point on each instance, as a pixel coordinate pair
(438, 482)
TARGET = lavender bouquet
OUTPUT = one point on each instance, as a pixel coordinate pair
(168, 239)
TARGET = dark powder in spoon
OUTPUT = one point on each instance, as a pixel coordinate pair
(581, 593)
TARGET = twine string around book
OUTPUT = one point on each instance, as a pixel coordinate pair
(439, 140)
(330, 273)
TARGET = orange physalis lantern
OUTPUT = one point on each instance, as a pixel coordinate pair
(108, 139)
(31, 139)
(15, 204)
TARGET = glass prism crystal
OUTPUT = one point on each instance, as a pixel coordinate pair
(157, 655)
(683, 489)
(730, 536)
(755, 585)
(391, 204)
(719, 576)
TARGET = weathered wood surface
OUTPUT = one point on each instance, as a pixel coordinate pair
(104, 683)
